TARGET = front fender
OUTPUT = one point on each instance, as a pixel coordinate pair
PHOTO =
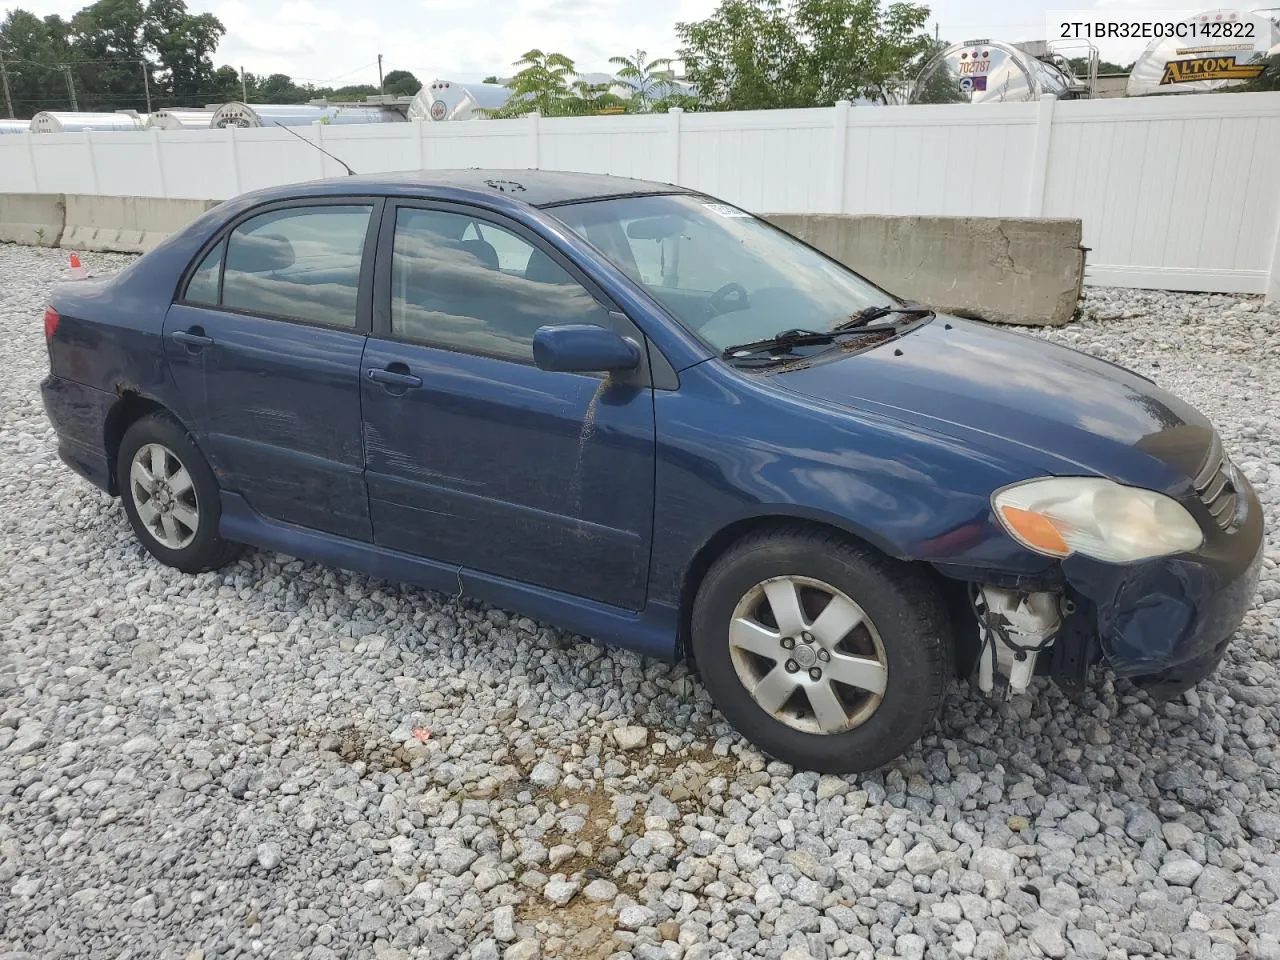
(910, 493)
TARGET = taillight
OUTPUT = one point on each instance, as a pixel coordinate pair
(50, 322)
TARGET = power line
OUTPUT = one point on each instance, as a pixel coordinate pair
(61, 63)
(341, 76)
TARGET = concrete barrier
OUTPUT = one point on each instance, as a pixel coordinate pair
(1003, 269)
(125, 224)
(35, 219)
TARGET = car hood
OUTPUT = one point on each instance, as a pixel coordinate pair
(1062, 411)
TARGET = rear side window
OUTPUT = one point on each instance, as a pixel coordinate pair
(203, 285)
(300, 264)
(474, 287)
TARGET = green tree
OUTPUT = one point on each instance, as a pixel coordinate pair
(401, 83)
(1080, 66)
(676, 98)
(279, 88)
(183, 45)
(860, 49)
(357, 91)
(32, 48)
(648, 80)
(109, 53)
(747, 56)
(224, 85)
(1269, 79)
(107, 46)
(589, 99)
(492, 78)
(761, 54)
(543, 83)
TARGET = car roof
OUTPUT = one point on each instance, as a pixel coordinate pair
(537, 188)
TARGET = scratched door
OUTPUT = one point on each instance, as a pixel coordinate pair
(265, 349)
(475, 456)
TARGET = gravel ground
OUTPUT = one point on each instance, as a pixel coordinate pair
(282, 759)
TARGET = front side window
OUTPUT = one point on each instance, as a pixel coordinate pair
(297, 264)
(472, 286)
(725, 275)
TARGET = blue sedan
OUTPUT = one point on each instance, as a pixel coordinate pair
(651, 418)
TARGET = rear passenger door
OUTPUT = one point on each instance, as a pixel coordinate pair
(264, 344)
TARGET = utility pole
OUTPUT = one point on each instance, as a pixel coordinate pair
(8, 100)
(146, 84)
(244, 88)
(71, 88)
(382, 89)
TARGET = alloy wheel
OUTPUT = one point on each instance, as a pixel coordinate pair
(164, 496)
(808, 655)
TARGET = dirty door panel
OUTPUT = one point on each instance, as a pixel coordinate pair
(474, 455)
(278, 407)
(546, 478)
(265, 346)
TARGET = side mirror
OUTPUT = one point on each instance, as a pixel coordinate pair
(583, 348)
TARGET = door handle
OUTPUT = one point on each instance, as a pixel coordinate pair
(393, 378)
(194, 338)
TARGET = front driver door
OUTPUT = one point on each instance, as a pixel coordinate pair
(474, 455)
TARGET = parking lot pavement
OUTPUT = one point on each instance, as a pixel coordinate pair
(283, 759)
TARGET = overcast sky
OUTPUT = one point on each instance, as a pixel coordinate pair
(335, 42)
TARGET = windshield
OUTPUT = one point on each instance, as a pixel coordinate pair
(727, 276)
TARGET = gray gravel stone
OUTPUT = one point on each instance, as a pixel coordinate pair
(634, 917)
(268, 855)
(1216, 885)
(524, 950)
(631, 737)
(455, 860)
(504, 923)
(1180, 871)
(546, 774)
(560, 891)
(601, 890)
(1086, 944)
(1048, 937)
(1141, 824)
(922, 858)
(1263, 823)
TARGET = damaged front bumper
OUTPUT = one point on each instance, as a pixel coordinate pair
(1163, 623)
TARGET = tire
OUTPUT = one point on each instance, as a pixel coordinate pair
(176, 520)
(898, 637)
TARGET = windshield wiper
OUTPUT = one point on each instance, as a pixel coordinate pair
(782, 341)
(869, 314)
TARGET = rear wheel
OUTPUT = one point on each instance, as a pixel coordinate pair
(826, 654)
(170, 495)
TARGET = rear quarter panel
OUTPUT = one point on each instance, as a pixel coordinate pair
(109, 330)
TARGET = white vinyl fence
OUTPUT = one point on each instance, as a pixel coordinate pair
(1175, 192)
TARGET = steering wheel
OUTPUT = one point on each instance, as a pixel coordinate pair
(719, 301)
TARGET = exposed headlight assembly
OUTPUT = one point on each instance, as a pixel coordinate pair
(1059, 516)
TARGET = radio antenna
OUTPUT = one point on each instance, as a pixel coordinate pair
(316, 146)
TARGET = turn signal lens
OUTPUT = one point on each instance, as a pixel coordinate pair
(1035, 531)
(50, 323)
(1059, 516)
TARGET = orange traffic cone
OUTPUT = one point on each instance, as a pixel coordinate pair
(78, 272)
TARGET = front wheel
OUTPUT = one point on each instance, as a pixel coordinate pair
(825, 654)
(170, 495)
